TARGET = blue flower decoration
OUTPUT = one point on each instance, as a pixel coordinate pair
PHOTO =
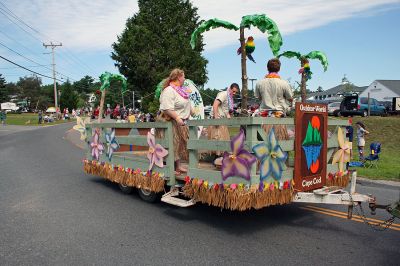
(112, 144)
(271, 156)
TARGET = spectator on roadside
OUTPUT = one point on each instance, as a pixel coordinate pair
(3, 117)
(40, 116)
(349, 135)
(361, 132)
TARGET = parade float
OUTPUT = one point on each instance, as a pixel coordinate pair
(258, 169)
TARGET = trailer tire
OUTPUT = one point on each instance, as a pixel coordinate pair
(125, 189)
(148, 195)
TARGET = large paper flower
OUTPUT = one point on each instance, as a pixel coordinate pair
(96, 146)
(238, 162)
(112, 144)
(81, 126)
(156, 152)
(343, 154)
(271, 156)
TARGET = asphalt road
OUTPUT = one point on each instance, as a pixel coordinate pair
(51, 213)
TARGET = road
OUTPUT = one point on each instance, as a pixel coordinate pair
(51, 213)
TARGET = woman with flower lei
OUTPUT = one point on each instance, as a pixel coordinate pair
(175, 106)
(222, 108)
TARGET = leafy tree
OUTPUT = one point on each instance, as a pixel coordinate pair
(320, 89)
(4, 96)
(208, 95)
(69, 98)
(30, 90)
(155, 41)
(85, 85)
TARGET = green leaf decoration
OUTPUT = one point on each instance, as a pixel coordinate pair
(265, 24)
(290, 54)
(159, 88)
(321, 56)
(106, 79)
(210, 24)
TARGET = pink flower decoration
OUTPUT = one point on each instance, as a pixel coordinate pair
(239, 162)
(156, 152)
(96, 146)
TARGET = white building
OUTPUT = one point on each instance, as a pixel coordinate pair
(336, 93)
(383, 90)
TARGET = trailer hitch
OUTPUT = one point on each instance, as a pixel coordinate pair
(393, 209)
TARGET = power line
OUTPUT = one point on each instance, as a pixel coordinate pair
(27, 68)
(5, 14)
(2, 44)
(9, 13)
(72, 56)
(17, 18)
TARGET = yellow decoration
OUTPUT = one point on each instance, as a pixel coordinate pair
(343, 154)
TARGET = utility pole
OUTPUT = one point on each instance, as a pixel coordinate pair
(53, 45)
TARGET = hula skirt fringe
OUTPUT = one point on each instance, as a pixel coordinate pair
(238, 199)
(149, 181)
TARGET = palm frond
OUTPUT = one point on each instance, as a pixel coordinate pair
(321, 56)
(210, 24)
(290, 54)
(106, 79)
(265, 24)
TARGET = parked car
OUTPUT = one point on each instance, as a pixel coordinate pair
(334, 108)
(355, 105)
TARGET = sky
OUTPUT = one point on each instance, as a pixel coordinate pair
(360, 38)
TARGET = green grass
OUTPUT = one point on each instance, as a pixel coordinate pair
(385, 130)
(28, 119)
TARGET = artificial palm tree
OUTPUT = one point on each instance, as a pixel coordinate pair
(262, 22)
(305, 67)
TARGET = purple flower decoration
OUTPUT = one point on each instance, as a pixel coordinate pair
(237, 163)
(96, 146)
(112, 144)
(156, 152)
(271, 156)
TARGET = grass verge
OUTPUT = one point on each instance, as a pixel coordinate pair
(28, 119)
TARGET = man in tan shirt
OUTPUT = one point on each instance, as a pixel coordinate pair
(274, 92)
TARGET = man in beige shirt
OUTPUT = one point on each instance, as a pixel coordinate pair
(274, 92)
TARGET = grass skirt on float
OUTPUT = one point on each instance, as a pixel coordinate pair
(180, 137)
(218, 133)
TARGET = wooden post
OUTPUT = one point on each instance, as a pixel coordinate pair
(244, 71)
(103, 96)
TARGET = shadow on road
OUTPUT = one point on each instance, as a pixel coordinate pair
(236, 222)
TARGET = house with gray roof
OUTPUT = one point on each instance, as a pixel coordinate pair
(383, 90)
(336, 93)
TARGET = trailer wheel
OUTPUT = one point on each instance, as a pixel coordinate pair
(125, 189)
(148, 195)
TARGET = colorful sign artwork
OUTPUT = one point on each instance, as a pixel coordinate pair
(310, 146)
